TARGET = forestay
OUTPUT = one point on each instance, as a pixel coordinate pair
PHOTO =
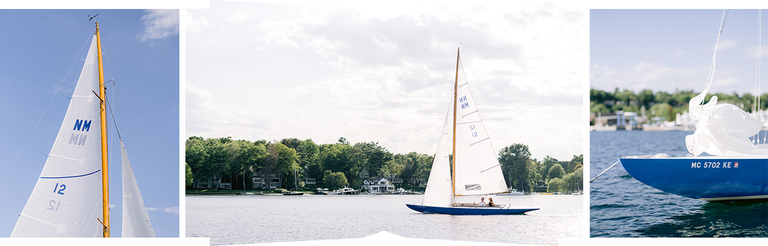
(66, 201)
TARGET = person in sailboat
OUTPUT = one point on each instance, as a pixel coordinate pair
(490, 202)
(482, 202)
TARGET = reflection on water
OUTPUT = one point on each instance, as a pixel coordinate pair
(621, 206)
(259, 219)
(716, 219)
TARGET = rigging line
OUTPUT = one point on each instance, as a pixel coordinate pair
(112, 112)
(711, 74)
(755, 106)
(719, 34)
(90, 34)
(601, 173)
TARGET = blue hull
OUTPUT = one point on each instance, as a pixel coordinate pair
(468, 210)
(705, 178)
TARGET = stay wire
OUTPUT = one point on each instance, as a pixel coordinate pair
(601, 173)
(46, 108)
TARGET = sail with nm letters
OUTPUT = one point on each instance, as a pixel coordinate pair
(71, 197)
(476, 171)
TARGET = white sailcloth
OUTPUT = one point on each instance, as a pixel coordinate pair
(135, 218)
(722, 129)
(438, 191)
(66, 201)
(477, 169)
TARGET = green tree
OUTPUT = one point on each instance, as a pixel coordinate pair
(556, 171)
(575, 163)
(189, 179)
(547, 164)
(334, 180)
(514, 165)
(555, 185)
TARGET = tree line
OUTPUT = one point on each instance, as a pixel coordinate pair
(661, 103)
(339, 164)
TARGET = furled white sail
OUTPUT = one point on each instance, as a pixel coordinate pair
(722, 129)
(135, 218)
(66, 201)
(477, 170)
(438, 191)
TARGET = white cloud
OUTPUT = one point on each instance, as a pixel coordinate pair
(160, 24)
(193, 24)
(330, 72)
(726, 45)
(238, 16)
(646, 75)
(172, 210)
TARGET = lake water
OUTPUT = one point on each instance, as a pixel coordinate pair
(250, 219)
(621, 206)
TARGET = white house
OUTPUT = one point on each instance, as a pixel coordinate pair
(381, 185)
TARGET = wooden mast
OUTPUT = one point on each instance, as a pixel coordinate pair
(455, 93)
(104, 161)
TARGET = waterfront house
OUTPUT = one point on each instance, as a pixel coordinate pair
(214, 183)
(266, 182)
(380, 185)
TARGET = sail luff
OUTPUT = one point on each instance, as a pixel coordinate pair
(455, 92)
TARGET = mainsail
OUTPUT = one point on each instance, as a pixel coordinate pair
(477, 170)
(66, 201)
(135, 218)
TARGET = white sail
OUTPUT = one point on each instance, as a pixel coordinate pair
(477, 170)
(135, 218)
(438, 191)
(66, 201)
(722, 129)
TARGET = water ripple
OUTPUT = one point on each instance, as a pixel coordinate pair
(621, 206)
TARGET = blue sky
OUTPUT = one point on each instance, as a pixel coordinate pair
(384, 72)
(672, 49)
(141, 50)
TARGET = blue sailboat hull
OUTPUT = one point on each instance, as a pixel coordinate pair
(705, 178)
(468, 210)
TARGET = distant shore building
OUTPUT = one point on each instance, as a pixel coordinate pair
(264, 182)
(380, 185)
(363, 174)
(214, 183)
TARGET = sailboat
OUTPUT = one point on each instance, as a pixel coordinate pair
(476, 170)
(737, 169)
(71, 197)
